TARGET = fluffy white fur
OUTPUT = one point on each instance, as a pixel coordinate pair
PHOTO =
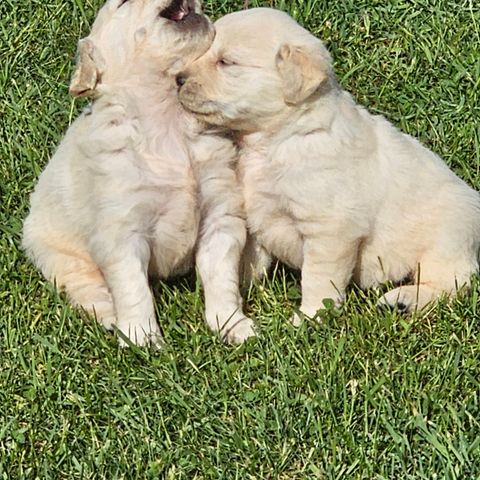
(132, 188)
(329, 188)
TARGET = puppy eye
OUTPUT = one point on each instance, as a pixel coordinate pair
(122, 2)
(223, 62)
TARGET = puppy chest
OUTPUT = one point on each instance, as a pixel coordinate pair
(174, 232)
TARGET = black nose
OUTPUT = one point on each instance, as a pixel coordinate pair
(180, 79)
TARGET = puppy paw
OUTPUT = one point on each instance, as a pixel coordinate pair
(305, 312)
(140, 335)
(238, 329)
(105, 315)
(297, 319)
(314, 312)
(403, 299)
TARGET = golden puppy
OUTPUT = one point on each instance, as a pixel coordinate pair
(329, 188)
(133, 183)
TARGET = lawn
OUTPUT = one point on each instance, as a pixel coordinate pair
(362, 395)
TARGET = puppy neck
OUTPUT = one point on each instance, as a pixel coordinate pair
(316, 114)
(153, 101)
(136, 78)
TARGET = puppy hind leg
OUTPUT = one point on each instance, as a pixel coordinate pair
(408, 298)
(82, 280)
(436, 276)
(87, 288)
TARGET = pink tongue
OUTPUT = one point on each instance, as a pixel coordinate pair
(179, 15)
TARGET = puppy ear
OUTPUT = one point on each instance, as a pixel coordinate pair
(90, 66)
(302, 70)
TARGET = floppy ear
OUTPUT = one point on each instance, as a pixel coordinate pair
(88, 71)
(302, 70)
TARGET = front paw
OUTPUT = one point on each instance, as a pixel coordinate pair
(140, 335)
(315, 313)
(239, 329)
(305, 312)
(297, 319)
(234, 328)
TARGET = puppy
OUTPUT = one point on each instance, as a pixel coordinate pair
(329, 188)
(128, 190)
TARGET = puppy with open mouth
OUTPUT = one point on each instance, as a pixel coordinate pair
(329, 188)
(130, 190)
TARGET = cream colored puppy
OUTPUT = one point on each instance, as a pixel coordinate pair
(329, 188)
(133, 183)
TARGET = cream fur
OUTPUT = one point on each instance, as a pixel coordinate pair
(120, 197)
(329, 188)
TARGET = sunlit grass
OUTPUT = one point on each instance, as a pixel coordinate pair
(362, 395)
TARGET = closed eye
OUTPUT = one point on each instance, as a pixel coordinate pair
(224, 62)
(122, 2)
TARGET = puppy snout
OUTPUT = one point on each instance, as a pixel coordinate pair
(181, 78)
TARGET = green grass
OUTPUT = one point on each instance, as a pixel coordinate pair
(363, 395)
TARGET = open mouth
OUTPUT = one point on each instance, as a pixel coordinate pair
(178, 10)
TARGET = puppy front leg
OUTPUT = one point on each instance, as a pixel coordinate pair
(326, 271)
(124, 266)
(222, 237)
(218, 259)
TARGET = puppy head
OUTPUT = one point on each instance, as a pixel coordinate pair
(132, 36)
(260, 66)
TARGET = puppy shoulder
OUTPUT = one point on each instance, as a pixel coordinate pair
(109, 127)
(213, 149)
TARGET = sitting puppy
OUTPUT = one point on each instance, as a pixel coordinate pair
(329, 188)
(120, 197)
